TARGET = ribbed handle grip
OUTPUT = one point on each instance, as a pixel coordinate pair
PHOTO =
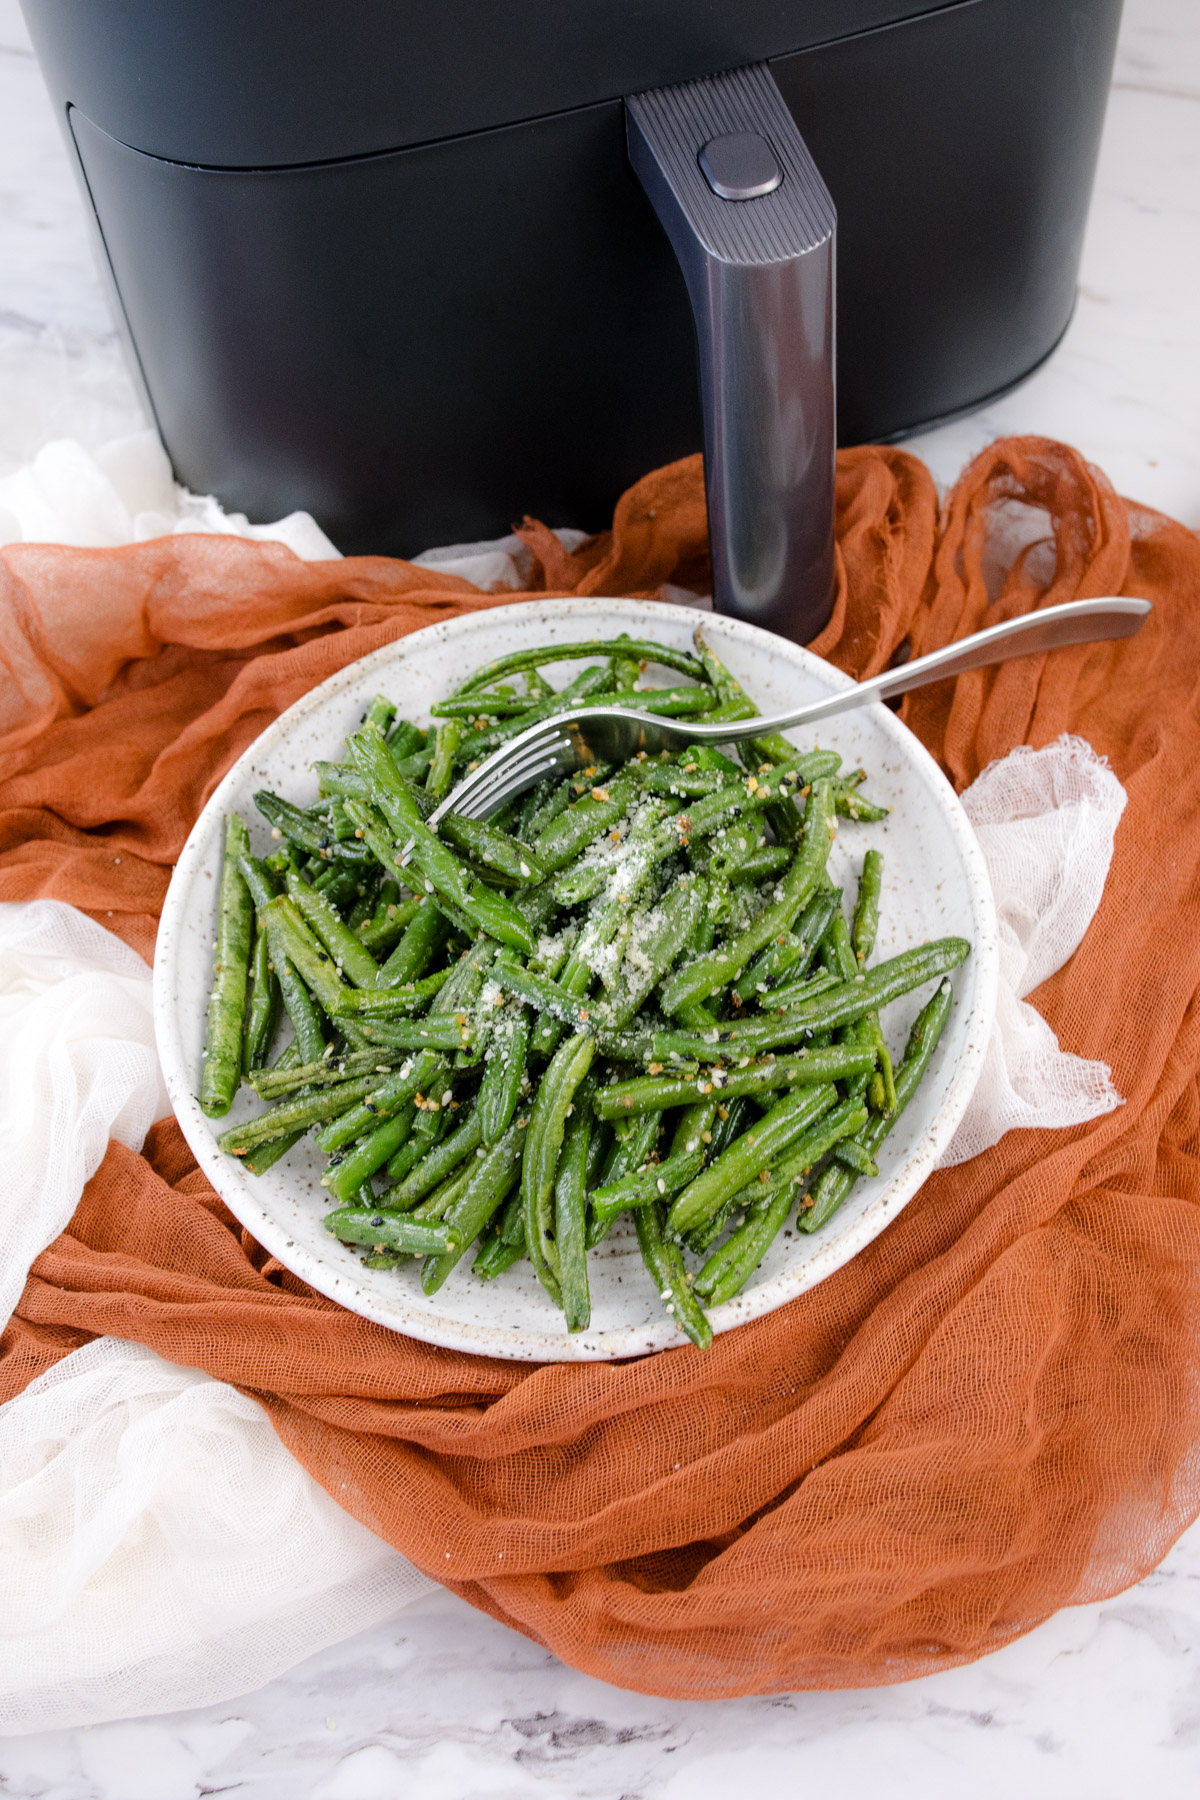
(760, 274)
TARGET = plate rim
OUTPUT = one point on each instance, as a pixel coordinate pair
(520, 1344)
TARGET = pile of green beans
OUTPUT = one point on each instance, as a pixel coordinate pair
(635, 990)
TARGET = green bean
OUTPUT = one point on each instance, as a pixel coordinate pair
(419, 1075)
(483, 706)
(720, 678)
(568, 836)
(838, 1005)
(542, 994)
(851, 805)
(446, 1195)
(440, 773)
(541, 804)
(503, 1074)
(754, 1151)
(493, 848)
(655, 1181)
(424, 935)
(708, 973)
(227, 1001)
(680, 782)
(866, 907)
(325, 1071)
(576, 977)
(618, 861)
(311, 835)
(710, 814)
(625, 669)
(505, 1243)
(394, 1003)
(772, 748)
(570, 1214)
(519, 660)
(462, 990)
(838, 1180)
(490, 911)
(727, 1271)
(837, 952)
(391, 919)
(292, 940)
(262, 1007)
(446, 1031)
(325, 922)
(297, 1001)
(405, 739)
(735, 846)
(381, 712)
(340, 781)
(809, 1068)
(732, 1118)
(793, 951)
(657, 936)
(667, 703)
(882, 1088)
(259, 1160)
(590, 684)
(344, 1178)
(338, 881)
(547, 1121)
(428, 1129)
(674, 703)
(797, 768)
(462, 1142)
(294, 1115)
(363, 907)
(259, 878)
(627, 1155)
(415, 767)
(743, 1251)
(665, 1263)
(855, 1157)
(361, 1225)
(487, 1186)
(693, 1129)
(767, 860)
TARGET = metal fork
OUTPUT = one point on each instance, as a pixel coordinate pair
(588, 734)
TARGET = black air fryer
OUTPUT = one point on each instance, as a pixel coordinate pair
(419, 266)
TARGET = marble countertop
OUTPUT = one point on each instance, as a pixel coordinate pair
(1100, 1703)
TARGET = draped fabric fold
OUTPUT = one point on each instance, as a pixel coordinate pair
(991, 1412)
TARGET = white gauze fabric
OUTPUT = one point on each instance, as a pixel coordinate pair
(124, 493)
(78, 1066)
(159, 1547)
(1045, 820)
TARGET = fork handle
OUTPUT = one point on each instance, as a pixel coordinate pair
(1076, 622)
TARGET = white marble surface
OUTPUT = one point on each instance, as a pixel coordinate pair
(1102, 1702)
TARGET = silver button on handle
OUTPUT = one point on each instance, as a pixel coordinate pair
(740, 165)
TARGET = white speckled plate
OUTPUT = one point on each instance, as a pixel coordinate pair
(934, 883)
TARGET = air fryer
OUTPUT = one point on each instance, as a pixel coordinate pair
(420, 268)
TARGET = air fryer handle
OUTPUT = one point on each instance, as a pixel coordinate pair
(753, 226)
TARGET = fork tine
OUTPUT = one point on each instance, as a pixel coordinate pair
(507, 772)
(507, 780)
(514, 782)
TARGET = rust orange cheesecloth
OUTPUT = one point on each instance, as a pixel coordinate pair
(992, 1412)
